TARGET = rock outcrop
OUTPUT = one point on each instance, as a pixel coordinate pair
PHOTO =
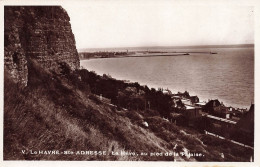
(42, 33)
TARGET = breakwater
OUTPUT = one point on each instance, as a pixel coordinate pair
(91, 55)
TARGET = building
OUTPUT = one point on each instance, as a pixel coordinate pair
(194, 99)
(192, 112)
(165, 91)
(186, 101)
(214, 107)
(183, 95)
(202, 105)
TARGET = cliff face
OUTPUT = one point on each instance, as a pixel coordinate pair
(40, 33)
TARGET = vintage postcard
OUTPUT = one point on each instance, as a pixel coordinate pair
(129, 83)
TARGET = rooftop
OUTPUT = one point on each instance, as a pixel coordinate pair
(201, 103)
(189, 107)
(183, 100)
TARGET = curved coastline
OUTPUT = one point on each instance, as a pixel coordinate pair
(123, 70)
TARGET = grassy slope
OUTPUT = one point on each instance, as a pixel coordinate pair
(51, 114)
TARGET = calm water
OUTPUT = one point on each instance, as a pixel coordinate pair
(227, 76)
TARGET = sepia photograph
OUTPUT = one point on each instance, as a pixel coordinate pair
(122, 81)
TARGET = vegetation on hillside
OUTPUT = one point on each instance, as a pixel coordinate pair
(59, 110)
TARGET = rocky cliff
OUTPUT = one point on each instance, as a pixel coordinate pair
(41, 33)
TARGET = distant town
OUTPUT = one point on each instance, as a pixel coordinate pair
(148, 51)
(121, 54)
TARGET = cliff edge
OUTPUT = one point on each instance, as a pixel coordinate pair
(42, 33)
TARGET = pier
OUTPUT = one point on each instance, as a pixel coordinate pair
(96, 55)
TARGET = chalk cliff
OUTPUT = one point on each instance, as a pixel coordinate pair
(40, 33)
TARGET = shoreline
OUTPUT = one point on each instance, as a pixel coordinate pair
(101, 55)
(156, 87)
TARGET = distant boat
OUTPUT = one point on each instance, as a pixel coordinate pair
(213, 53)
(186, 54)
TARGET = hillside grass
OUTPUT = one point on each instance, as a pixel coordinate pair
(52, 114)
(57, 113)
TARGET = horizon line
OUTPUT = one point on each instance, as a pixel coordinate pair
(250, 44)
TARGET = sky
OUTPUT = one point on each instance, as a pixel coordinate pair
(105, 25)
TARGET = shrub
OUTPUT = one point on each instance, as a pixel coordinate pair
(95, 99)
(133, 115)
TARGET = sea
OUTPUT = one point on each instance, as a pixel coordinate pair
(227, 76)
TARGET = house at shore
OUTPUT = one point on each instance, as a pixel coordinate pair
(194, 99)
(192, 112)
(182, 95)
(175, 97)
(178, 104)
(165, 91)
(186, 115)
(186, 96)
(202, 105)
(175, 100)
(186, 102)
(214, 107)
